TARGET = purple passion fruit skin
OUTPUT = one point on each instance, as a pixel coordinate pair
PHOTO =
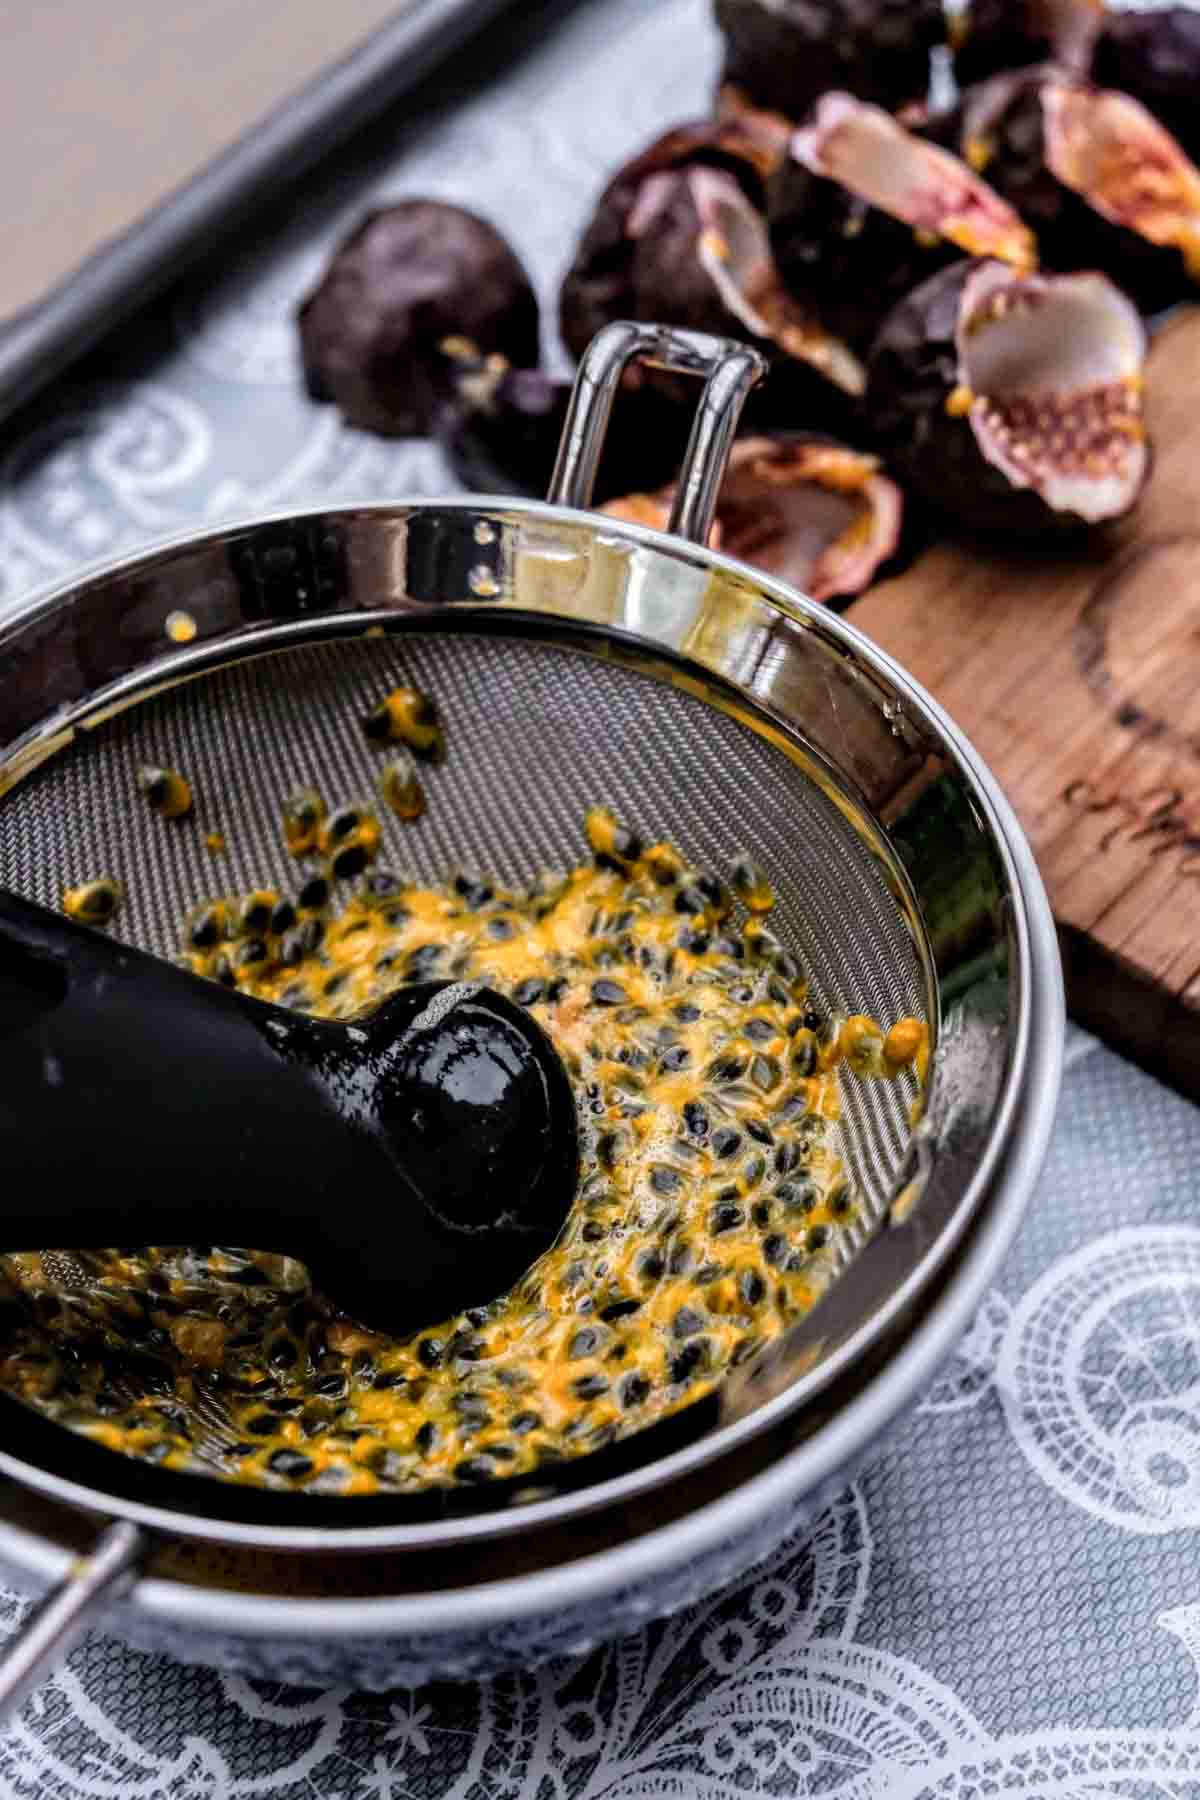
(862, 210)
(783, 54)
(1155, 57)
(822, 517)
(405, 278)
(1014, 404)
(854, 260)
(993, 36)
(501, 429)
(1102, 184)
(680, 237)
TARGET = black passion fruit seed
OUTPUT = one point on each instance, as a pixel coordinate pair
(251, 915)
(93, 902)
(283, 917)
(751, 885)
(207, 926)
(407, 716)
(165, 791)
(614, 845)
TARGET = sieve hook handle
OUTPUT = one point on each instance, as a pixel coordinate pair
(729, 369)
(93, 1582)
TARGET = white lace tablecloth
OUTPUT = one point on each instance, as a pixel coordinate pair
(1008, 1603)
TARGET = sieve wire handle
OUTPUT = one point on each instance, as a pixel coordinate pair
(730, 370)
(93, 1582)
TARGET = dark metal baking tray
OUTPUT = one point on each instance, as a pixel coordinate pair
(201, 215)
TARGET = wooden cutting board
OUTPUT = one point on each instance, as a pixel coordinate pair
(1077, 677)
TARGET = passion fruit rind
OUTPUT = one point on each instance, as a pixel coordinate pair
(406, 277)
(1107, 148)
(862, 211)
(501, 428)
(680, 236)
(782, 54)
(1014, 403)
(990, 36)
(1155, 56)
(822, 517)
(1102, 184)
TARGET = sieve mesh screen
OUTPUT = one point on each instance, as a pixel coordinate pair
(536, 733)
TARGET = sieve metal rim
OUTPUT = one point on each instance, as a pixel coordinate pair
(785, 603)
(210, 1615)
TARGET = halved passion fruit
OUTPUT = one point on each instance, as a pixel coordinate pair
(862, 210)
(1103, 184)
(822, 517)
(1014, 403)
(1109, 150)
(500, 427)
(783, 53)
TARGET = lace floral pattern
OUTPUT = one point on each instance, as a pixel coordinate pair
(1100, 1372)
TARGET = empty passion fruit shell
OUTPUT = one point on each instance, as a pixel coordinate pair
(680, 236)
(822, 517)
(783, 53)
(1155, 56)
(405, 278)
(1103, 184)
(501, 428)
(989, 36)
(861, 211)
(1014, 403)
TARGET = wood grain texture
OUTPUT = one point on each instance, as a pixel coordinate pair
(1077, 676)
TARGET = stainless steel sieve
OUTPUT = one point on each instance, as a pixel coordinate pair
(574, 658)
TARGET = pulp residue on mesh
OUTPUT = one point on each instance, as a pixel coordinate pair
(707, 1218)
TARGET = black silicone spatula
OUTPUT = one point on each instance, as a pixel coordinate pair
(417, 1160)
